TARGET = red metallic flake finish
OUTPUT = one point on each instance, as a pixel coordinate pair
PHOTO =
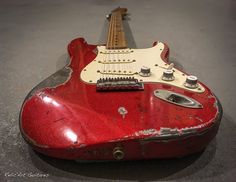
(69, 119)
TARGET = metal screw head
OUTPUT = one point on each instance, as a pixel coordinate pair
(122, 111)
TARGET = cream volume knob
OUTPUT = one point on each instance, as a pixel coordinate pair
(168, 75)
(191, 82)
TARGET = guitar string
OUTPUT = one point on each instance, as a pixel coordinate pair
(107, 49)
(116, 41)
(103, 63)
(107, 54)
(124, 57)
(104, 56)
(113, 65)
(119, 53)
(122, 67)
(111, 46)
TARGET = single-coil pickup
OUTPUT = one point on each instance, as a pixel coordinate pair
(116, 72)
(116, 61)
(127, 51)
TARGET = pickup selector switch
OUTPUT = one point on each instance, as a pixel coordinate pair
(145, 71)
(191, 82)
(168, 75)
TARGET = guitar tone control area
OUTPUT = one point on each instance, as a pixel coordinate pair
(191, 81)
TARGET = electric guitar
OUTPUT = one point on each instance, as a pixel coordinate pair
(112, 102)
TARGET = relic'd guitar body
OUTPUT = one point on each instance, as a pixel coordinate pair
(116, 103)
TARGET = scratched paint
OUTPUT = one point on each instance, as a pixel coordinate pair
(53, 81)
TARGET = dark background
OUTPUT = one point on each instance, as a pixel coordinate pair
(33, 40)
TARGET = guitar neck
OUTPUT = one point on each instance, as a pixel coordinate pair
(116, 35)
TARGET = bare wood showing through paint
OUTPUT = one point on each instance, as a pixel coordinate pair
(116, 35)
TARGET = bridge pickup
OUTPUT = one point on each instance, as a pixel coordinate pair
(119, 84)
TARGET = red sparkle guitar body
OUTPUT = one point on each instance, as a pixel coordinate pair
(66, 118)
(92, 109)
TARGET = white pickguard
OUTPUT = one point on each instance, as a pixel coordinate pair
(128, 62)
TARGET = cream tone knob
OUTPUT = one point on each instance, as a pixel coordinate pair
(145, 71)
(168, 75)
(191, 82)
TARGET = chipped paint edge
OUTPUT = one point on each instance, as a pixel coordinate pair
(36, 89)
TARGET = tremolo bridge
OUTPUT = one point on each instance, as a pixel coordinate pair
(119, 83)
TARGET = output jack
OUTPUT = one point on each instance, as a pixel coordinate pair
(118, 153)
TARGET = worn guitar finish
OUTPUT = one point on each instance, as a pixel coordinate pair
(66, 117)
